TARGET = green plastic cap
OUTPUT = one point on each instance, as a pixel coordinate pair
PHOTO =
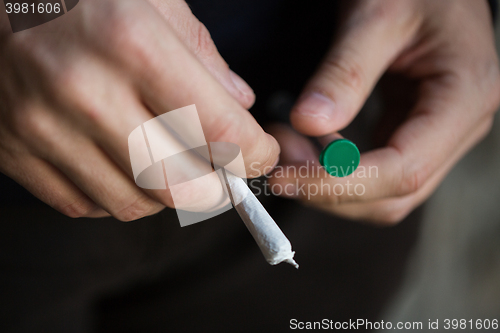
(340, 158)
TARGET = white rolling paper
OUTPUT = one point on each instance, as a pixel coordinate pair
(269, 237)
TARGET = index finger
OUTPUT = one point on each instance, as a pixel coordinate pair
(169, 77)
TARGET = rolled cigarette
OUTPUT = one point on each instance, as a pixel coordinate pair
(272, 242)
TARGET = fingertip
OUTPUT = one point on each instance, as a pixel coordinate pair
(274, 154)
(268, 160)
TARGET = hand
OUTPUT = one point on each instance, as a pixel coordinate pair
(73, 89)
(447, 48)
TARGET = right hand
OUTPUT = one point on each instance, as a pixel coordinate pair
(73, 89)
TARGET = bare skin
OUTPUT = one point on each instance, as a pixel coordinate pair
(73, 89)
(70, 97)
(447, 48)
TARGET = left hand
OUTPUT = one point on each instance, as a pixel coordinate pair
(448, 48)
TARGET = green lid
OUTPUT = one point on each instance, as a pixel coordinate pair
(340, 158)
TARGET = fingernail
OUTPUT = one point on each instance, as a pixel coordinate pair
(240, 84)
(316, 105)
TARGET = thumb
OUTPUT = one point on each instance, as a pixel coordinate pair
(197, 39)
(372, 36)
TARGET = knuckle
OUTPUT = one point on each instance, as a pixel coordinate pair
(411, 182)
(76, 209)
(123, 30)
(202, 43)
(227, 128)
(125, 34)
(131, 50)
(345, 71)
(70, 91)
(139, 208)
(120, 35)
(31, 124)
